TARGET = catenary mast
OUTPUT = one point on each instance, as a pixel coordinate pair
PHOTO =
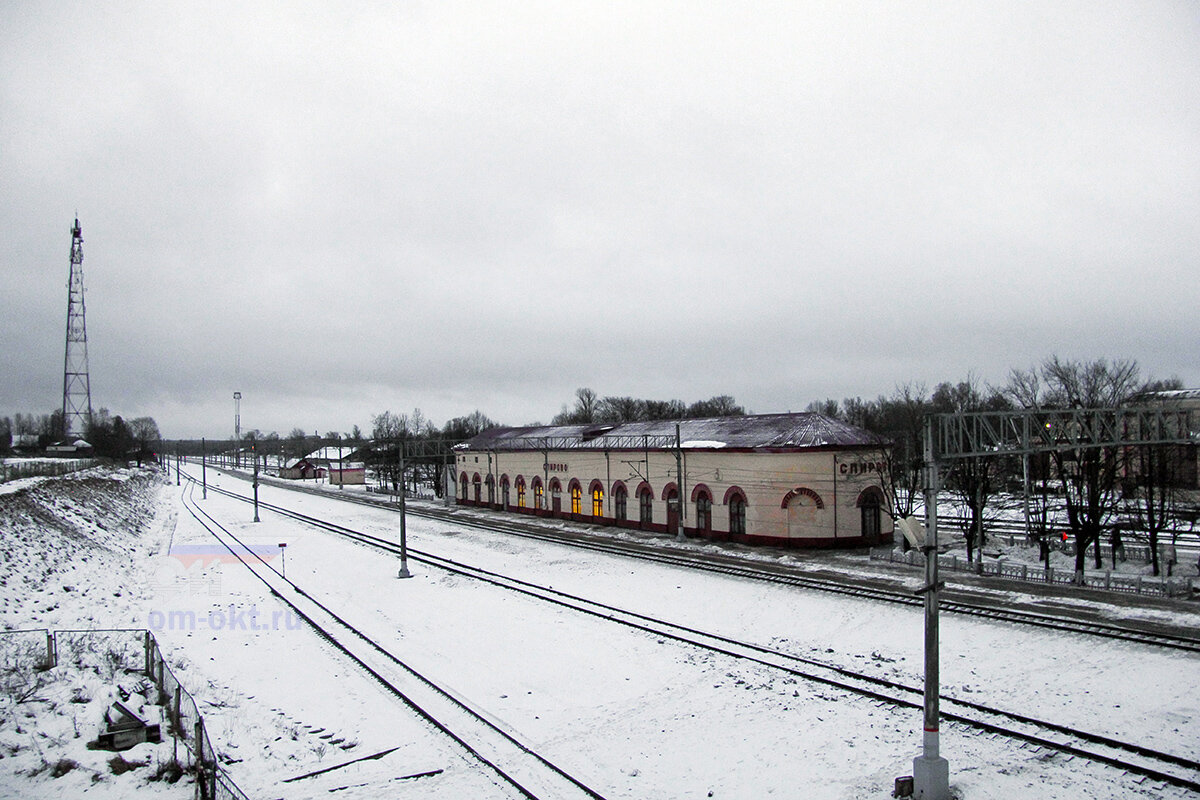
(77, 387)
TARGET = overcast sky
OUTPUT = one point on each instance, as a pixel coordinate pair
(339, 209)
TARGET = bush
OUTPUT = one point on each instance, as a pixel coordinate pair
(169, 771)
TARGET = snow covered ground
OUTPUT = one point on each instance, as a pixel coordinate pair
(73, 552)
(631, 715)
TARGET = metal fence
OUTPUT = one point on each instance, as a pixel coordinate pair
(11, 470)
(110, 652)
(1127, 552)
(1017, 570)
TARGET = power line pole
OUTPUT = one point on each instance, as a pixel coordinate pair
(77, 386)
(679, 537)
(403, 573)
(237, 429)
(931, 772)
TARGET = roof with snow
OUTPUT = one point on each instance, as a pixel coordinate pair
(802, 431)
(331, 454)
(1168, 395)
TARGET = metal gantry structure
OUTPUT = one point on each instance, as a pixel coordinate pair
(1023, 432)
(77, 385)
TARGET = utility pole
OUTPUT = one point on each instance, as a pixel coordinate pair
(77, 386)
(237, 429)
(931, 772)
(404, 573)
(679, 537)
(254, 453)
(204, 468)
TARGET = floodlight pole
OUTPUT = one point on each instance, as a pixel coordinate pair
(404, 573)
(204, 468)
(931, 772)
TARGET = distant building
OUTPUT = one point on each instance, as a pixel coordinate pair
(342, 465)
(71, 448)
(301, 469)
(800, 480)
(1181, 462)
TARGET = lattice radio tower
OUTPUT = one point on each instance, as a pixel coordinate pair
(77, 387)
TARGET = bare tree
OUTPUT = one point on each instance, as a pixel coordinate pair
(901, 420)
(973, 479)
(720, 406)
(1089, 477)
(828, 407)
(145, 433)
(665, 409)
(620, 409)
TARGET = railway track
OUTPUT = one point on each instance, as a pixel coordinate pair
(737, 567)
(515, 764)
(1130, 757)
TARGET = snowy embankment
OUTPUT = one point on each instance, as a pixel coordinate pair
(72, 556)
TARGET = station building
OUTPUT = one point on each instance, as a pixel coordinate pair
(802, 480)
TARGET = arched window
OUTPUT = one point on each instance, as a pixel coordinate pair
(737, 511)
(646, 505)
(620, 503)
(520, 491)
(869, 504)
(464, 487)
(539, 494)
(555, 495)
(576, 499)
(504, 490)
(703, 512)
(478, 486)
(491, 487)
(597, 501)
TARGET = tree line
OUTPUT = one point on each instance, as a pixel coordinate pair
(1113, 492)
(591, 408)
(111, 436)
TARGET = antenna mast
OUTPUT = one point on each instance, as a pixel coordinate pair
(77, 387)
